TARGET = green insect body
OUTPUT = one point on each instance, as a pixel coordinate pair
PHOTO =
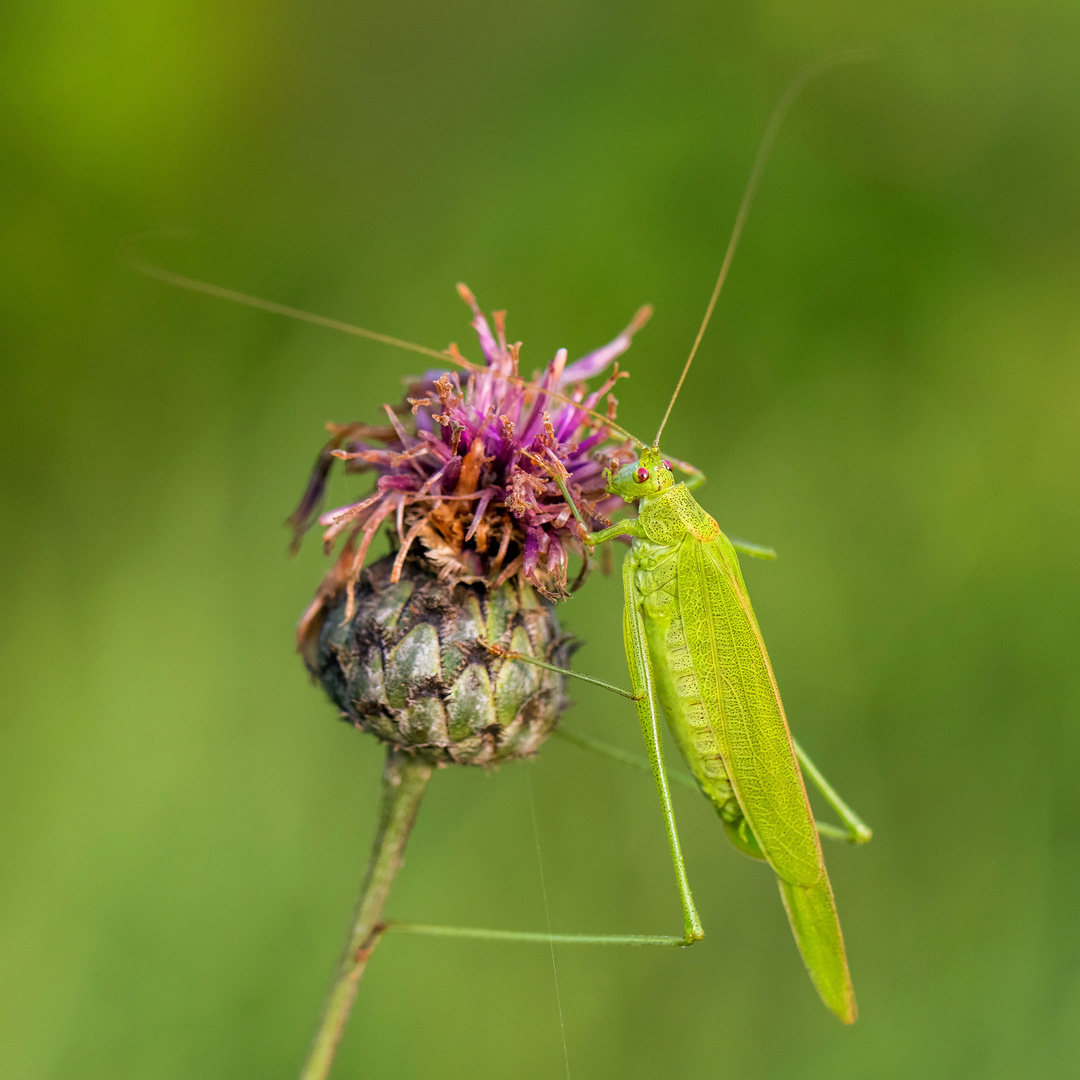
(694, 647)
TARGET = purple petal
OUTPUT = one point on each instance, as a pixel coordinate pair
(535, 543)
(481, 506)
(397, 482)
(450, 477)
(593, 363)
(556, 559)
(488, 345)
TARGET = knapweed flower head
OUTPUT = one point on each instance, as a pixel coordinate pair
(465, 471)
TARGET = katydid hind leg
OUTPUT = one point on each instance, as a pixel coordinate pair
(637, 655)
(644, 697)
(856, 831)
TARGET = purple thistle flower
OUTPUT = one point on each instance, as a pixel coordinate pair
(465, 472)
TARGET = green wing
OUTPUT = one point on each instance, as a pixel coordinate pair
(740, 695)
(746, 714)
(812, 914)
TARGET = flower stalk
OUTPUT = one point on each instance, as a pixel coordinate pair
(404, 781)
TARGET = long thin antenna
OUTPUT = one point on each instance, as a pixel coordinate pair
(179, 280)
(794, 88)
(454, 357)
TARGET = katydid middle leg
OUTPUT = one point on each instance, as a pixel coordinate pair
(624, 528)
(755, 551)
(855, 830)
(694, 479)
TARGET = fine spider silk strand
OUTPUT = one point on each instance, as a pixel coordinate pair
(547, 911)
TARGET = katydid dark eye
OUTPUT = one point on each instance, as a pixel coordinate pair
(667, 465)
(642, 475)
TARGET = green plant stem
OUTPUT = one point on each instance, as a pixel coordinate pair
(404, 781)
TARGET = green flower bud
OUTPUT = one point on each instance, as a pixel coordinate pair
(410, 667)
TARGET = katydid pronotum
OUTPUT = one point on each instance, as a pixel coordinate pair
(696, 655)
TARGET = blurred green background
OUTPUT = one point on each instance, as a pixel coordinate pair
(890, 395)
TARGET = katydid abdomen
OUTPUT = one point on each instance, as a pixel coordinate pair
(718, 694)
(681, 697)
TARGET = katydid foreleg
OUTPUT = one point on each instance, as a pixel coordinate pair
(622, 528)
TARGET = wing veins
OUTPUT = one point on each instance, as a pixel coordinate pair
(789, 838)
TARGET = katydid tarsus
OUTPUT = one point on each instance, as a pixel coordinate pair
(697, 657)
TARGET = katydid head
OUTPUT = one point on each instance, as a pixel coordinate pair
(649, 475)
